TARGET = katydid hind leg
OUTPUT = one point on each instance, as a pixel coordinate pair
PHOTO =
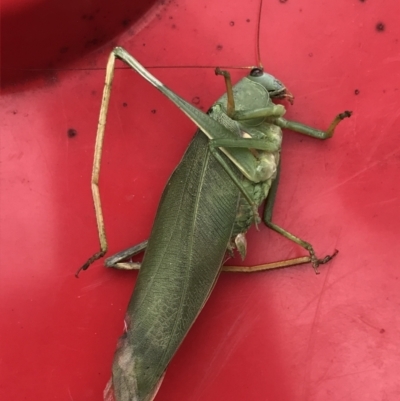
(203, 121)
(267, 218)
(267, 266)
(96, 165)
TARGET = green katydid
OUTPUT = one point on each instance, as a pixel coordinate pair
(231, 166)
(210, 201)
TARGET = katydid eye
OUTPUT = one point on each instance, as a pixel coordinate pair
(256, 72)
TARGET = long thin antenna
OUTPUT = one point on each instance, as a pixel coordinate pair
(259, 63)
(258, 56)
(249, 67)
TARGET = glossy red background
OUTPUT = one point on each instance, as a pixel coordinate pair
(286, 335)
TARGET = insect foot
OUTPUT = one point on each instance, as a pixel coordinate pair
(315, 262)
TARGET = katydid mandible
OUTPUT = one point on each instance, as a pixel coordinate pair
(212, 198)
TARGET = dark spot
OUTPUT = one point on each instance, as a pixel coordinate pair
(125, 104)
(64, 49)
(72, 133)
(382, 331)
(144, 44)
(282, 1)
(154, 111)
(126, 22)
(219, 47)
(232, 23)
(356, 92)
(173, 26)
(310, 55)
(362, 1)
(248, 20)
(171, 17)
(93, 92)
(196, 100)
(300, 10)
(380, 27)
(15, 112)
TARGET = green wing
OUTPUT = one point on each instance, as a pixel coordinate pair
(186, 249)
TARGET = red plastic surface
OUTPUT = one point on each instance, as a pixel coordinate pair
(285, 335)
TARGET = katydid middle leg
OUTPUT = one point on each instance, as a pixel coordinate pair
(267, 218)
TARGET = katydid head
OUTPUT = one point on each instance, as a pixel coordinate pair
(275, 88)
